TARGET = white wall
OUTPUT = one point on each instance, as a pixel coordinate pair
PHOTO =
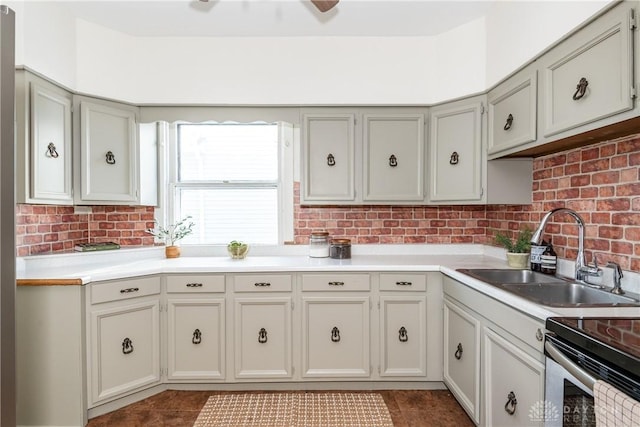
(517, 31)
(291, 70)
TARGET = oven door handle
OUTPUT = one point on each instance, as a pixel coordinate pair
(581, 375)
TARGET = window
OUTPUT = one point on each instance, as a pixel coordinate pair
(232, 180)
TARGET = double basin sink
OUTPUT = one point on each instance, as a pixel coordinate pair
(551, 291)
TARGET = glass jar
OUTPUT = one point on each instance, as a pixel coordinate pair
(340, 249)
(319, 244)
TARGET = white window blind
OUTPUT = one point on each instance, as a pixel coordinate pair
(228, 182)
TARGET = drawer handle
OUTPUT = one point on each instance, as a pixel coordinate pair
(262, 284)
(454, 159)
(393, 161)
(51, 151)
(331, 161)
(404, 283)
(402, 334)
(197, 337)
(129, 290)
(581, 89)
(335, 334)
(539, 335)
(127, 346)
(512, 402)
(458, 353)
(262, 336)
(194, 285)
(110, 158)
(507, 125)
(336, 283)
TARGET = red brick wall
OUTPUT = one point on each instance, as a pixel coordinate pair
(602, 183)
(44, 228)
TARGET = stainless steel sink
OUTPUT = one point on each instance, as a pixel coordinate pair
(500, 276)
(551, 291)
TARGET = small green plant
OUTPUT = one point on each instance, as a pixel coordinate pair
(237, 249)
(173, 232)
(521, 244)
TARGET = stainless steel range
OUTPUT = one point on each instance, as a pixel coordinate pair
(579, 352)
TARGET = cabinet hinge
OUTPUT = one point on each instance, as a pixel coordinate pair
(481, 191)
(378, 369)
(632, 21)
(481, 108)
(378, 305)
(633, 93)
(292, 305)
(293, 370)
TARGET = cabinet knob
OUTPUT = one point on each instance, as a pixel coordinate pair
(127, 346)
(512, 402)
(51, 151)
(581, 89)
(262, 336)
(402, 334)
(454, 159)
(335, 334)
(331, 161)
(197, 337)
(110, 158)
(458, 353)
(393, 161)
(507, 125)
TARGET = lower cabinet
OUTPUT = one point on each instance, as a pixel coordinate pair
(124, 338)
(495, 372)
(462, 357)
(513, 383)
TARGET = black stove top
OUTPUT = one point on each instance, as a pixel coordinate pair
(615, 341)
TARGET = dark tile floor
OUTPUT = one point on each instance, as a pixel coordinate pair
(408, 408)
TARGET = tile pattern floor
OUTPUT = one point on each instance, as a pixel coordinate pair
(408, 408)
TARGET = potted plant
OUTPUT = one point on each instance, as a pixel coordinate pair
(172, 234)
(518, 248)
(237, 249)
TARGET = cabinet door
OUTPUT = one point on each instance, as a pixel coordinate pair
(589, 76)
(125, 349)
(109, 154)
(462, 357)
(196, 337)
(328, 157)
(513, 113)
(50, 146)
(456, 153)
(336, 337)
(263, 338)
(513, 384)
(404, 336)
(394, 157)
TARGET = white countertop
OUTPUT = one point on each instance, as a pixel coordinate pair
(124, 263)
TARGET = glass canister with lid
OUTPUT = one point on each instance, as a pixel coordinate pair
(319, 244)
(340, 249)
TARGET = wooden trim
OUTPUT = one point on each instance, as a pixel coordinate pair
(49, 282)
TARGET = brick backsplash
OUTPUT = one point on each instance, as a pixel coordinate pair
(45, 228)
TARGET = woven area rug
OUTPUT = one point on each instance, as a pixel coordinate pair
(295, 409)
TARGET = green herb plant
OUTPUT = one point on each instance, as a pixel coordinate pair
(520, 245)
(173, 232)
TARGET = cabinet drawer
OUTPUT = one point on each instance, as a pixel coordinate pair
(335, 282)
(114, 291)
(601, 54)
(262, 283)
(512, 113)
(403, 282)
(195, 284)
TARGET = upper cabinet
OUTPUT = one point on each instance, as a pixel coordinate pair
(455, 160)
(589, 76)
(513, 112)
(110, 154)
(360, 156)
(328, 153)
(43, 132)
(394, 157)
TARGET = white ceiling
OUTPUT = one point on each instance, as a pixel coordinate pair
(263, 18)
